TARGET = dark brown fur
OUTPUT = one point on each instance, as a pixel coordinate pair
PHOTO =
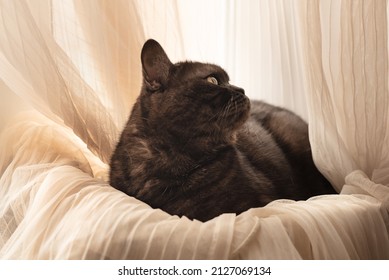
(200, 149)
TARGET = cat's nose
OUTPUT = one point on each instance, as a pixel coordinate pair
(238, 89)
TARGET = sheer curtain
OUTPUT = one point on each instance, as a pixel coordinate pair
(71, 70)
(349, 80)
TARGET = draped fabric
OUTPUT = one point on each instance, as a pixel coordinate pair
(70, 72)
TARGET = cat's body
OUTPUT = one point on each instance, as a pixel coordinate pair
(196, 146)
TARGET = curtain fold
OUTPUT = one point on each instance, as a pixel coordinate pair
(38, 70)
(347, 60)
(75, 65)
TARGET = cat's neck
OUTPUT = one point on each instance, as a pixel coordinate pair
(185, 165)
(194, 147)
(181, 156)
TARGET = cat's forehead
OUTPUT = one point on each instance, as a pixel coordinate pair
(190, 69)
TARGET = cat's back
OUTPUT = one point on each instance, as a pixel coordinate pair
(276, 141)
(276, 125)
(261, 151)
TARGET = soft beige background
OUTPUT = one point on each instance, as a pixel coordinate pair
(75, 66)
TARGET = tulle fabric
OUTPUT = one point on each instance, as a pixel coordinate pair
(74, 65)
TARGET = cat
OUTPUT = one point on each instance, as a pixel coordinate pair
(196, 146)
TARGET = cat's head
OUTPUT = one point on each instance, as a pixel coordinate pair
(189, 98)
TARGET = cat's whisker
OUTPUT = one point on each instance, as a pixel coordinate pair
(164, 191)
(225, 111)
(215, 116)
(230, 104)
(236, 106)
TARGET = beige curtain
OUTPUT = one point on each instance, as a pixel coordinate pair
(349, 97)
(70, 71)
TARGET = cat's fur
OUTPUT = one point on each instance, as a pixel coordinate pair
(195, 148)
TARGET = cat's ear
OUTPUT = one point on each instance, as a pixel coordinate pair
(156, 65)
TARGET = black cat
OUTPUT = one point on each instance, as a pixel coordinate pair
(196, 146)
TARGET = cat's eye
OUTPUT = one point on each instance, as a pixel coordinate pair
(212, 80)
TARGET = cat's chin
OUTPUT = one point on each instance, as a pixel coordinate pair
(240, 120)
(241, 111)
